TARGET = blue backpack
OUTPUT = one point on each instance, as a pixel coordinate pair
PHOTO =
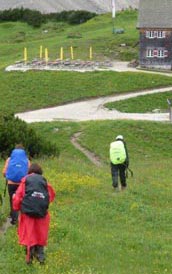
(17, 166)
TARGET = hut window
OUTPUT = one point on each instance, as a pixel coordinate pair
(149, 53)
(151, 34)
(161, 34)
(160, 53)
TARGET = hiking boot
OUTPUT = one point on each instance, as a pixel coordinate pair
(123, 187)
(116, 189)
(13, 222)
(40, 254)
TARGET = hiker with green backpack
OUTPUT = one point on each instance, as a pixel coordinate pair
(119, 162)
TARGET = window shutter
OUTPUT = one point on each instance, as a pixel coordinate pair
(165, 53)
(155, 53)
(163, 34)
(147, 34)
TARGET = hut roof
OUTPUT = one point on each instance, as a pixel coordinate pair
(155, 14)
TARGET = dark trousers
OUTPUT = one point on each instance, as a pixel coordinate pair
(118, 171)
(11, 190)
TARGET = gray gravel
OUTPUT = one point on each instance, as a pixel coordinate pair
(93, 110)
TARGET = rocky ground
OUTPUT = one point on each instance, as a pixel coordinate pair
(47, 6)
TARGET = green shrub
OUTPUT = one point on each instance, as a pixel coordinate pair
(71, 16)
(31, 17)
(14, 131)
(35, 18)
(80, 16)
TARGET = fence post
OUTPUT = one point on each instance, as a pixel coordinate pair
(169, 101)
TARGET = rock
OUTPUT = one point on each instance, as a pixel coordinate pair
(157, 110)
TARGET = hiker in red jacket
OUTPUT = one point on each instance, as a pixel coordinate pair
(33, 231)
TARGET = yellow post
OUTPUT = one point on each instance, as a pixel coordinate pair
(71, 52)
(40, 52)
(61, 53)
(25, 55)
(91, 53)
(46, 55)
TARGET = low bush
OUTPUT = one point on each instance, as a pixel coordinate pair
(32, 17)
(71, 16)
(14, 131)
(35, 18)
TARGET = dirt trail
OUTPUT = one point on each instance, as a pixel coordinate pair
(90, 155)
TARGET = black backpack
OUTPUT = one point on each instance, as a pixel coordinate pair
(36, 200)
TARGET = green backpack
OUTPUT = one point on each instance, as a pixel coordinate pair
(117, 152)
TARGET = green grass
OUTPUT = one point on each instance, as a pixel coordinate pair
(92, 229)
(96, 33)
(33, 90)
(142, 104)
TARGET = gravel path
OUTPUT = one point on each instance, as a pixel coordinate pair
(93, 109)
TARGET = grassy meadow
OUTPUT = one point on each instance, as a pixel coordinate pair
(93, 230)
(143, 104)
(53, 35)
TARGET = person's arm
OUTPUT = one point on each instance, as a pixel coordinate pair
(51, 193)
(18, 196)
(127, 156)
(4, 170)
(29, 163)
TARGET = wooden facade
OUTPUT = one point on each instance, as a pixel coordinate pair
(155, 28)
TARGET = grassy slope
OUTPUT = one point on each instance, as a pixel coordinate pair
(96, 33)
(26, 91)
(142, 104)
(92, 229)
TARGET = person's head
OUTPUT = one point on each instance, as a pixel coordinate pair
(35, 168)
(19, 146)
(119, 137)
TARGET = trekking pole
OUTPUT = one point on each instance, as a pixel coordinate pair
(1, 200)
(131, 172)
(5, 189)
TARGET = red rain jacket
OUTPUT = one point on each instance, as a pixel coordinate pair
(31, 231)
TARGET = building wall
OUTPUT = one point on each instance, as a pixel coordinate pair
(156, 48)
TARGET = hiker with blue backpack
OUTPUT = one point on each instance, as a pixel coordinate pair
(32, 198)
(119, 162)
(15, 168)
